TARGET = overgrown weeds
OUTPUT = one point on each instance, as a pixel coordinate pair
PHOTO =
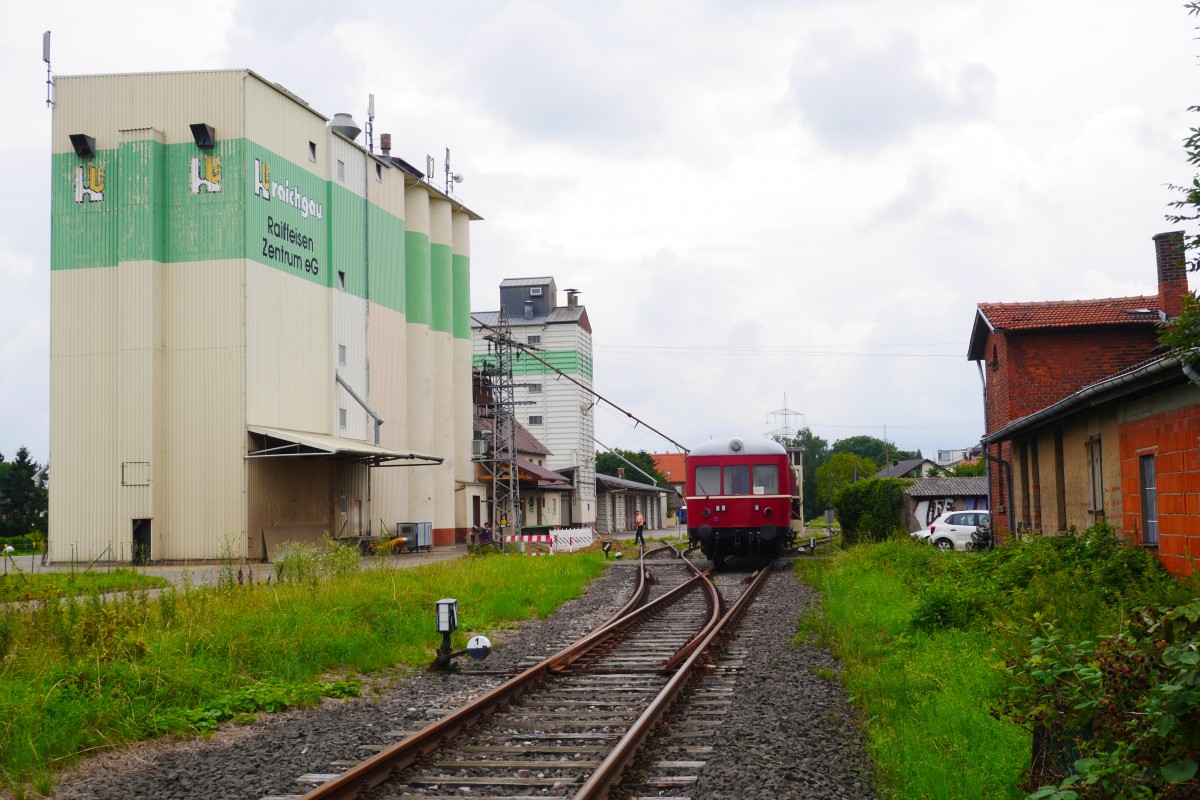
(88, 672)
(936, 643)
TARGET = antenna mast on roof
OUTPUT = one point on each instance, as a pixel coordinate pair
(451, 176)
(49, 78)
(370, 123)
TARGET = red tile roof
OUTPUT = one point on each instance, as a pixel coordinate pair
(1110, 311)
(671, 463)
(1070, 313)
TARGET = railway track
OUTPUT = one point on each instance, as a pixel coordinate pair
(572, 724)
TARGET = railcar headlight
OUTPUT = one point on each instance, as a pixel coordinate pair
(706, 513)
(769, 512)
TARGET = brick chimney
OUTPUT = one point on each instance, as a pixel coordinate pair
(1172, 271)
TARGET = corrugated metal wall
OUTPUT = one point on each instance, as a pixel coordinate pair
(419, 305)
(442, 353)
(176, 321)
(464, 468)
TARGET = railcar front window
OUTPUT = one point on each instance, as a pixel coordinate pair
(737, 479)
(766, 479)
(708, 480)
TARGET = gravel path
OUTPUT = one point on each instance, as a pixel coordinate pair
(794, 735)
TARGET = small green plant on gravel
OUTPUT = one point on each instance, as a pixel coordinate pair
(227, 580)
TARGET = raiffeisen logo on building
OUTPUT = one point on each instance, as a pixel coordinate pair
(267, 189)
(89, 183)
(206, 174)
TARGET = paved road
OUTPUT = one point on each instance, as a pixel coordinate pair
(201, 573)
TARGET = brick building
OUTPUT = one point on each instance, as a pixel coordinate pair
(1087, 421)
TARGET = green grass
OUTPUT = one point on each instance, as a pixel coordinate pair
(929, 641)
(19, 586)
(924, 697)
(83, 674)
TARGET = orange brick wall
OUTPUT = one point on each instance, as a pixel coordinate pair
(1174, 438)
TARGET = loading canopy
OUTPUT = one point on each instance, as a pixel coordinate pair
(281, 443)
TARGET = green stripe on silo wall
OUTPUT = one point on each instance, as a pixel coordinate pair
(101, 206)
(142, 212)
(347, 240)
(288, 217)
(441, 287)
(461, 269)
(145, 200)
(387, 260)
(569, 361)
(418, 301)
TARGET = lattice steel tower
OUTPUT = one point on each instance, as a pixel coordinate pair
(501, 462)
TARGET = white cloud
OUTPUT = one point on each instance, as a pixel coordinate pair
(796, 199)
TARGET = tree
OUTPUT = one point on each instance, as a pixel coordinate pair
(968, 469)
(1182, 334)
(816, 453)
(841, 470)
(609, 463)
(23, 485)
(878, 450)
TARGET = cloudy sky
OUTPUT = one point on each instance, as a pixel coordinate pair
(766, 204)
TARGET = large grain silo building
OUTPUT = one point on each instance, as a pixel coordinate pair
(260, 331)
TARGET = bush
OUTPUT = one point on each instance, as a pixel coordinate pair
(870, 510)
(1128, 705)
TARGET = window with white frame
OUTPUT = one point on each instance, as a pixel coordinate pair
(535, 419)
(341, 418)
(535, 339)
(1148, 480)
(534, 388)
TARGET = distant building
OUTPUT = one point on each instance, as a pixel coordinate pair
(620, 499)
(948, 458)
(545, 495)
(671, 465)
(251, 315)
(558, 412)
(929, 498)
(908, 468)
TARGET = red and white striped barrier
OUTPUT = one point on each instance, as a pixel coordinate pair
(567, 540)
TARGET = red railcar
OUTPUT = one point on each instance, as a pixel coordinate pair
(742, 498)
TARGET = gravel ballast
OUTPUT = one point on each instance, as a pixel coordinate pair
(792, 735)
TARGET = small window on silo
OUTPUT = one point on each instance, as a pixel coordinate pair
(342, 418)
(341, 170)
(312, 151)
(379, 173)
(341, 355)
(341, 280)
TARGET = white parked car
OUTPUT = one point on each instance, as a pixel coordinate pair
(958, 530)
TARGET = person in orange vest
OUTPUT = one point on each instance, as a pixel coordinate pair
(641, 526)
